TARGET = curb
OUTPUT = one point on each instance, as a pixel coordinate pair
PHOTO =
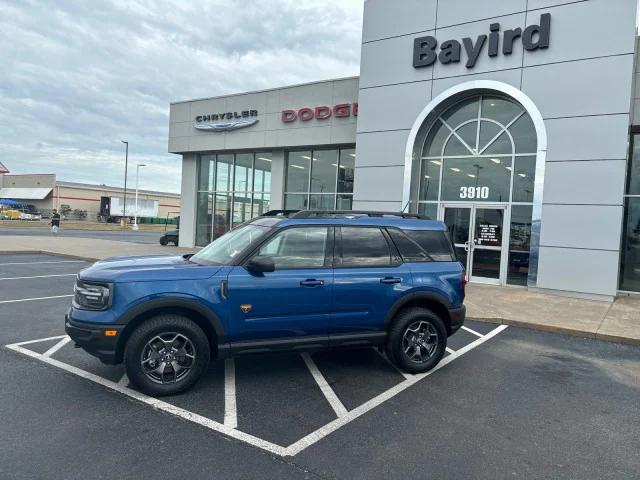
(561, 330)
(618, 339)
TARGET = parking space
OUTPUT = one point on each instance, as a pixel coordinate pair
(37, 275)
(309, 391)
(333, 414)
(282, 403)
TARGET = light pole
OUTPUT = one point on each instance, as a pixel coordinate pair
(126, 164)
(135, 218)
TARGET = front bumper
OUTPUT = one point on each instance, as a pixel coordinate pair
(457, 316)
(91, 338)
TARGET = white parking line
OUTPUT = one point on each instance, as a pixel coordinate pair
(326, 389)
(33, 299)
(230, 413)
(124, 381)
(344, 417)
(40, 276)
(386, 359)
(56, 347)
(450, 351)
(155, 403)
(467, 329)
(38, 340)
(322, 432)
(41, 263)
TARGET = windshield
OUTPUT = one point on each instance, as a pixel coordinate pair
(224, 249)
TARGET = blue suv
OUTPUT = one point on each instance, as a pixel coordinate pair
(289, 280)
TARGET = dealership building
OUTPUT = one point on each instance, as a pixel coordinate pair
(516, 122)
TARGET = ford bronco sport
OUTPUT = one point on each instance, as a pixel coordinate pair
(285, 281)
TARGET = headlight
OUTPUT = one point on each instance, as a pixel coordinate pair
(92, 296)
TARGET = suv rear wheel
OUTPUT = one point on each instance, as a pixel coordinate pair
(417, 340)
(166, 355)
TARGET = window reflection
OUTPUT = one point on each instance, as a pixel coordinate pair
(502, 110)
(630, 255)
(324, 171)
(630, 268)
(477, 179)
(320, 179)
(207, 172)
(519, 245)
(524, 177)
(298, 166)
(430, 179)
(224, 173)
(295, 201)
(204, 209)
(243, 173)
(233, 188)
(346, 171)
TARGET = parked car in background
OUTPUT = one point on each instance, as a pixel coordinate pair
(171, 236)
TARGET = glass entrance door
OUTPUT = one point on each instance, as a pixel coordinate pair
(478, 235)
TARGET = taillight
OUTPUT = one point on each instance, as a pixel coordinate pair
(464, 281)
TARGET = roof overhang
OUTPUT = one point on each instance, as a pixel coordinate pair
(25, 193)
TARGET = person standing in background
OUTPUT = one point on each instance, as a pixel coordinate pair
(55, 222)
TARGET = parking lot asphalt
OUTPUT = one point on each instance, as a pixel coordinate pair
(507, 403)
(121, 236)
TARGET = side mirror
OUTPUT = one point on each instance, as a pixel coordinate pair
(261, 264)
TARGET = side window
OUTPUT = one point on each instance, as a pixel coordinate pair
(297, 248)
(409, 250)
(423, 245)
(272, 248)
(364, 247)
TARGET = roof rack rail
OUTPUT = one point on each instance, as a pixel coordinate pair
(279, 213)
(338, 213)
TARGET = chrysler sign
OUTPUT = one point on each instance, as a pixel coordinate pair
(534, 37)
(226, 121)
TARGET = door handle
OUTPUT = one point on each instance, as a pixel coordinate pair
(390, 280)
(312, 283)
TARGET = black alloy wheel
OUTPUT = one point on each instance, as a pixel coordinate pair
(166, 355)
(417, 340)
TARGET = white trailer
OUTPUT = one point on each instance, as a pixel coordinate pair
(145, 208)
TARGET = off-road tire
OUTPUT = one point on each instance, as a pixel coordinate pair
(394, 346)
(159, 325)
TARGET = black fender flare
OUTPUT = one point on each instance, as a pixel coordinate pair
(411, 297)
(176, 302)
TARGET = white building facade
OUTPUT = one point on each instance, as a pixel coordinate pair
(511, 121)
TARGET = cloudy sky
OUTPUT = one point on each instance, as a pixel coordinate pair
(78, 76)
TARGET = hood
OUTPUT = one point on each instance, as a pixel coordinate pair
(147, 269)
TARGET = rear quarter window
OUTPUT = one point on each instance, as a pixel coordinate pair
(423, 245)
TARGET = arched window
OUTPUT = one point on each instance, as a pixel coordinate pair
(482, 149)
(476, 169)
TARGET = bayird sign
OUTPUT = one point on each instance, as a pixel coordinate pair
(534, 37)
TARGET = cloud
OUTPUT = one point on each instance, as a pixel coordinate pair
(77, 77)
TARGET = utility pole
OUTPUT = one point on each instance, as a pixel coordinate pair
(126, 164)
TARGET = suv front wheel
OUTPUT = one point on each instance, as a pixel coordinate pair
(166, 355)
(417, 340)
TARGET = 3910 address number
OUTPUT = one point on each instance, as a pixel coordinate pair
(472, 193)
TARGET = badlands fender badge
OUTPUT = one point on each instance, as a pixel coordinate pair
(246, 308)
